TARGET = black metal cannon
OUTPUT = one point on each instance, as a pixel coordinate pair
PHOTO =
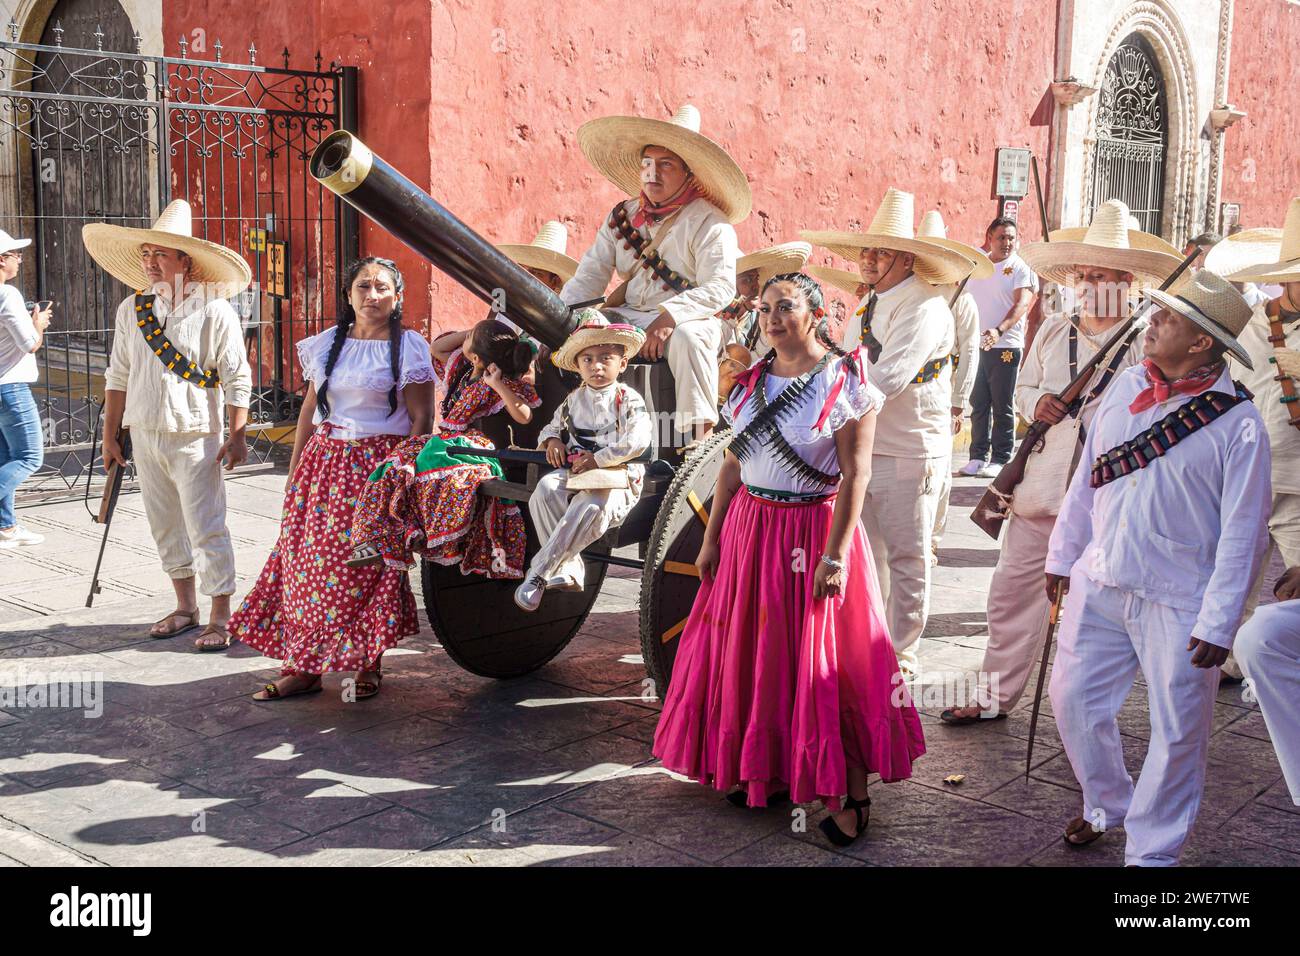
(473, 617)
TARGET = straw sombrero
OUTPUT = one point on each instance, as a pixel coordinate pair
(842, 279)
(546, 252)
(934, 230)
(775, 260)
(117, 250)
(613, 144)
(1109, 244)
(594, 329)
(1261, 255)
(1211, 302)
(891, 228)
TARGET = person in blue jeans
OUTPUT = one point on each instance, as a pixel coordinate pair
(21, 335)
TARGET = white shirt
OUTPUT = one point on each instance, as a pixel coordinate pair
(914, 326)
(1046, 369)
(966, 351)
(1188, 531)
(1283, 436)
(204, 330)
(997, 294)
(17, 338)
(815, 446)
(360, 382)
(618, 416)
(700, 245)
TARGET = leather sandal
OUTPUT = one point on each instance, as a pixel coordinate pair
(274, 693)
(364, 555)
(191, 616)
(838, 836)
(1077, 827)
(952, 719)
(215, 630)
(367, 688)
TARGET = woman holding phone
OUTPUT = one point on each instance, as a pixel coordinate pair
(22, 332)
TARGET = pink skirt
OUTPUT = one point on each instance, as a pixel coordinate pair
(773, 688)
(308, 609)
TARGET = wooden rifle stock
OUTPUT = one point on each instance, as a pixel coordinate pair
(993, 506)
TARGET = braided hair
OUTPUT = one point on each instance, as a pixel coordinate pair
(495, 343)
(348, 317)
(812, 293)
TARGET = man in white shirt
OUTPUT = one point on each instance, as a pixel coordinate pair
(673, 247)
(1160, 535)
(177, 352)
(909, 334)
(1004, 300)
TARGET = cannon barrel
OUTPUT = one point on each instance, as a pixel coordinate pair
(349, 169)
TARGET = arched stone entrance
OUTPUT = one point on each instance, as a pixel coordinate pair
(1132, 134)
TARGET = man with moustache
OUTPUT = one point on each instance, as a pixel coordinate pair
(1160, 536)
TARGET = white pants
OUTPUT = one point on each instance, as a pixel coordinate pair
(1268, 649)
(1018, 606)
(898, 518)
(185, 502)
(941, 506)
(692, 356)
(1284, 534)
(567, 525)
(1106, 634)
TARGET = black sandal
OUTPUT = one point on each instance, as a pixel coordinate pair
(838, 836)
(951, 718)
(740, 798)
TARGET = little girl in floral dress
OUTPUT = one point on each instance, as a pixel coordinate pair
(423, 499)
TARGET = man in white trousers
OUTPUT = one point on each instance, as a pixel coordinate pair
(1160, 535)
(908, 332)
(1100, 268)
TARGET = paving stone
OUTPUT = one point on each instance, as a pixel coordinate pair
(1263, 824)
(369, 841)
(782, 849)
(988, 761)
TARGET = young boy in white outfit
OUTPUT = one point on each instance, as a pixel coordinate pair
(606, 425)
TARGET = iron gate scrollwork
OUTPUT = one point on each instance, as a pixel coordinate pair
(1132, 134)
(92, 135)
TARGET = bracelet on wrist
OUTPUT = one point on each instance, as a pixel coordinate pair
(832, 563)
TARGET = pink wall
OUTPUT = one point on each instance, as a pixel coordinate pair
(1262, 152)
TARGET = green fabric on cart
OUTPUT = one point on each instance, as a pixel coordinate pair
(434, 456)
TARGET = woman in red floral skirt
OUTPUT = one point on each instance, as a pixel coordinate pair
(370, 385)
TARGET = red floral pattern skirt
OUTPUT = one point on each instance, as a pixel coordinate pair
(308, 609)
(480, 533)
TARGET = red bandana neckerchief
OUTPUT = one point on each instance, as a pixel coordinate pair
(1159, 388)
(647, 212)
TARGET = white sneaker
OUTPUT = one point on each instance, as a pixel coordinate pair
(972, 467)
(529, 594)
(19, 537)
(990, 470)
(562, 582)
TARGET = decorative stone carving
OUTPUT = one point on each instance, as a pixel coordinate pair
(1070, 92)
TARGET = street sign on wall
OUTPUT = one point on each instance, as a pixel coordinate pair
(1011, 179)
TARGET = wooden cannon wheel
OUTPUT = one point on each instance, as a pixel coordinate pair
(669, 582)
(478, 624)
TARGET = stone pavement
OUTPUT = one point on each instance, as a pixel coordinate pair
(445, 768)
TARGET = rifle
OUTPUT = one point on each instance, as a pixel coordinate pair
(108, 504)
(993, 506)
(1053, 617)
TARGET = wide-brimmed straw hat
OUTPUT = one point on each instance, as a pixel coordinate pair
(1211, 302)
(9, 244)
(613, 144)
(547, 252)
(775, 260)
(594, 329)
(891, 228)
(1261, 255)
(842, 279)
(934, 229)
(1107, 243)
(117, 250)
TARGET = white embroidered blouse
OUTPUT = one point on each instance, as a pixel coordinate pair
(360, 381)
(840, 394)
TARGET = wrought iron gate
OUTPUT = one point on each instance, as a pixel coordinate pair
(1132, 136)
(92, 135)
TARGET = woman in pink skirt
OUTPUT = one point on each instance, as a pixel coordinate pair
(785, 678)
(370, 385)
